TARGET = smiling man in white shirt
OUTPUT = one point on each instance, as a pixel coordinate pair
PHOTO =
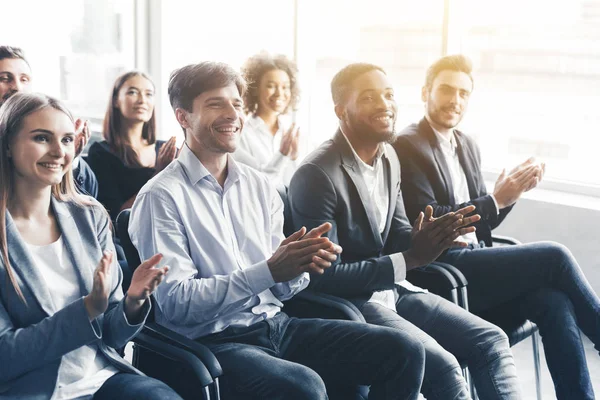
(219, 226)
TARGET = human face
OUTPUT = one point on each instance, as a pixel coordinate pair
(216, 120)
(274, 92)
(369, 110)
(135, 99)
(15, 76)
(42, 151)
(447, 99)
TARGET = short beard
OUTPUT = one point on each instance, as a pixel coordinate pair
(364, 132)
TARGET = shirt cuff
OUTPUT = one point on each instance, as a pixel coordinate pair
(399, 264)
(259, 277)
(495, 204)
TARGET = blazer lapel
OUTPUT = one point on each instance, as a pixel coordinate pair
(439, 159)
(467, 162)
(23, 264)
(392, 176)
(350, 164)
(72, 241)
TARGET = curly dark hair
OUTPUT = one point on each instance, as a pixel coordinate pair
(258, 65)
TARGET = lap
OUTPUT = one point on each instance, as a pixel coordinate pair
(131, 387)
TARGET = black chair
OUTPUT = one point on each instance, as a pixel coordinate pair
(517, 330)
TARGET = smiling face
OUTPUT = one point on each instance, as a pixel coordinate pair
(135, 99)
(274, 92)
(447, 99)
(15, 76)
(215, 122)
(369, 110)
(42, 151)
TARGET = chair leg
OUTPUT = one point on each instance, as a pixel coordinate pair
(535, 340)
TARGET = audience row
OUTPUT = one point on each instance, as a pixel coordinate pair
(208, 220)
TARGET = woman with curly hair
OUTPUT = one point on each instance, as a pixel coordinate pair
(269, 141)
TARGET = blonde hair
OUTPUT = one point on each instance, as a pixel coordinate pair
(12, 115)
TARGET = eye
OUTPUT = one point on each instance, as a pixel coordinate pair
(40, 138)
(25, 79)
(390, 96)
(150, 94)
(4, 79)
(131, 92)
(68, 139)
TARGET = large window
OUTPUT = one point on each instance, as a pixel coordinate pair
(76, 48)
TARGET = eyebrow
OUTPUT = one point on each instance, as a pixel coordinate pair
(454, 87)
(138, 89)
(40, 130)
(375, 90)
(219, 98)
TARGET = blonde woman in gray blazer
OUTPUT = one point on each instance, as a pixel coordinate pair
(62, 310)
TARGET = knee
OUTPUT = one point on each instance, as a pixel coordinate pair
(555, 251)
(301, 384)
(493, 343)
(411, 354)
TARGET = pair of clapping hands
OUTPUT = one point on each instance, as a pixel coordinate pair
(290, 142)
(525, 176)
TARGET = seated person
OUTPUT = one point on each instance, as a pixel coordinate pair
(542, 282)
(15, 76)
(219, 225)
(270, 140)
(130, 154)
(353, 182)
(61, 319)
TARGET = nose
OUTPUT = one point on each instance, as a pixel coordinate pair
(382, 103)
(57, 149)
(18, 85)
(230, 112)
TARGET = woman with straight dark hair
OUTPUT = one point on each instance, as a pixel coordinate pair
(62, 310)
(130, 154)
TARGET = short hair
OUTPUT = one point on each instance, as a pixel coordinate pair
(456, 62)
(258, 65)
(187, 83)
(12, 52)
(344, 78)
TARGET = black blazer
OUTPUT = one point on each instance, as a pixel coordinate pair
(328, 187)
(426, 177)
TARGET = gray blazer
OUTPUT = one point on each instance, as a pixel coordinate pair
(32, 338)
(328, 187)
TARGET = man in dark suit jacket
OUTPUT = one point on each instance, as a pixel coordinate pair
(441, 168)
(353, 182)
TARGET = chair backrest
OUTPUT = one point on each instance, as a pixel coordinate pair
(131, 253)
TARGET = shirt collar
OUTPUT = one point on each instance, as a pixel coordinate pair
(381, 151)
(448, 144)
(196, 171)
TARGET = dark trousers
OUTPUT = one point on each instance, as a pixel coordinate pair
(133, 387)
(541, 282)
(290, 358)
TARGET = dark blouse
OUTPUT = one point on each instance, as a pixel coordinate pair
(117, 183)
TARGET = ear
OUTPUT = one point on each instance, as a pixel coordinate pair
(424, 94)
(181, 116)
(340, 111)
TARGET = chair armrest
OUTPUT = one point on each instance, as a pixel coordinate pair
(505, 240)
(175, 353)
(199, 350)
(309, 304)
(436, 279)
(461, 280)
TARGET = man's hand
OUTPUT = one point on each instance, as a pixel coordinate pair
(431, 236)
(303, 252)
(509, 188)
(82, 135)
(144, 281)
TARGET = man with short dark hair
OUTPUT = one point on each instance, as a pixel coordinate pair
(218, 225)
(15, 76)
(353, 182)
(542, 282)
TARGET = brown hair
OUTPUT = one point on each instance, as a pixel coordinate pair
(12, 115)
(112, 124)
(456, 62)
(257, 66)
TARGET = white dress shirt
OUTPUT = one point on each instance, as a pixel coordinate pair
(84, 370)
(374, 179)
(458, 177)
(262, 147)
(216, 240)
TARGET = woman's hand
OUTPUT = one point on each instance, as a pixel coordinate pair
(166, 154)
(143, 283)
(82, 135)
(97, 301)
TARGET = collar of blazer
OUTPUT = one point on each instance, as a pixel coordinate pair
(391, 171)
(23, 264)
(465, 157)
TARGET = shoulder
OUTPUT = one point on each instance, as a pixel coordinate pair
(327, 157)
(166, 182)
(464, 138)
(99, 148)
(85, 210)
(409, 134)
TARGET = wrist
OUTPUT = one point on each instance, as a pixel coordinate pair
(410, 259)
(89, 307)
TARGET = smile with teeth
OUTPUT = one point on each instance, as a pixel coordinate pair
(55, 167)
(384, 118)
(228, 129)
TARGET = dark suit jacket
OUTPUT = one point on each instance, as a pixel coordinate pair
(426, 177)
(328, 187)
